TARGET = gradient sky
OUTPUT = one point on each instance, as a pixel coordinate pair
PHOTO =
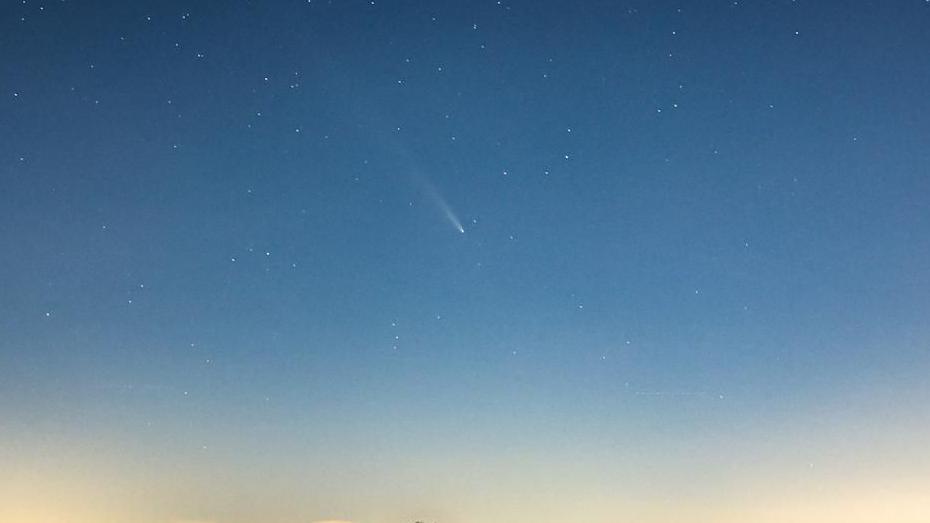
(465, 261)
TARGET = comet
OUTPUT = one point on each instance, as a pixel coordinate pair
(433, 195)
(419, 179)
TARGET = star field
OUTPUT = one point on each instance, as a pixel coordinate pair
(500, 261)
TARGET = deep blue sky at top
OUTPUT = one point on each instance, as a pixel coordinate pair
(227, 198)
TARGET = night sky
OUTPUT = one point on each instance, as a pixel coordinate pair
(514, 261)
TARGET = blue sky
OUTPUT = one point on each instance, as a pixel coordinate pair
(464, 261)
